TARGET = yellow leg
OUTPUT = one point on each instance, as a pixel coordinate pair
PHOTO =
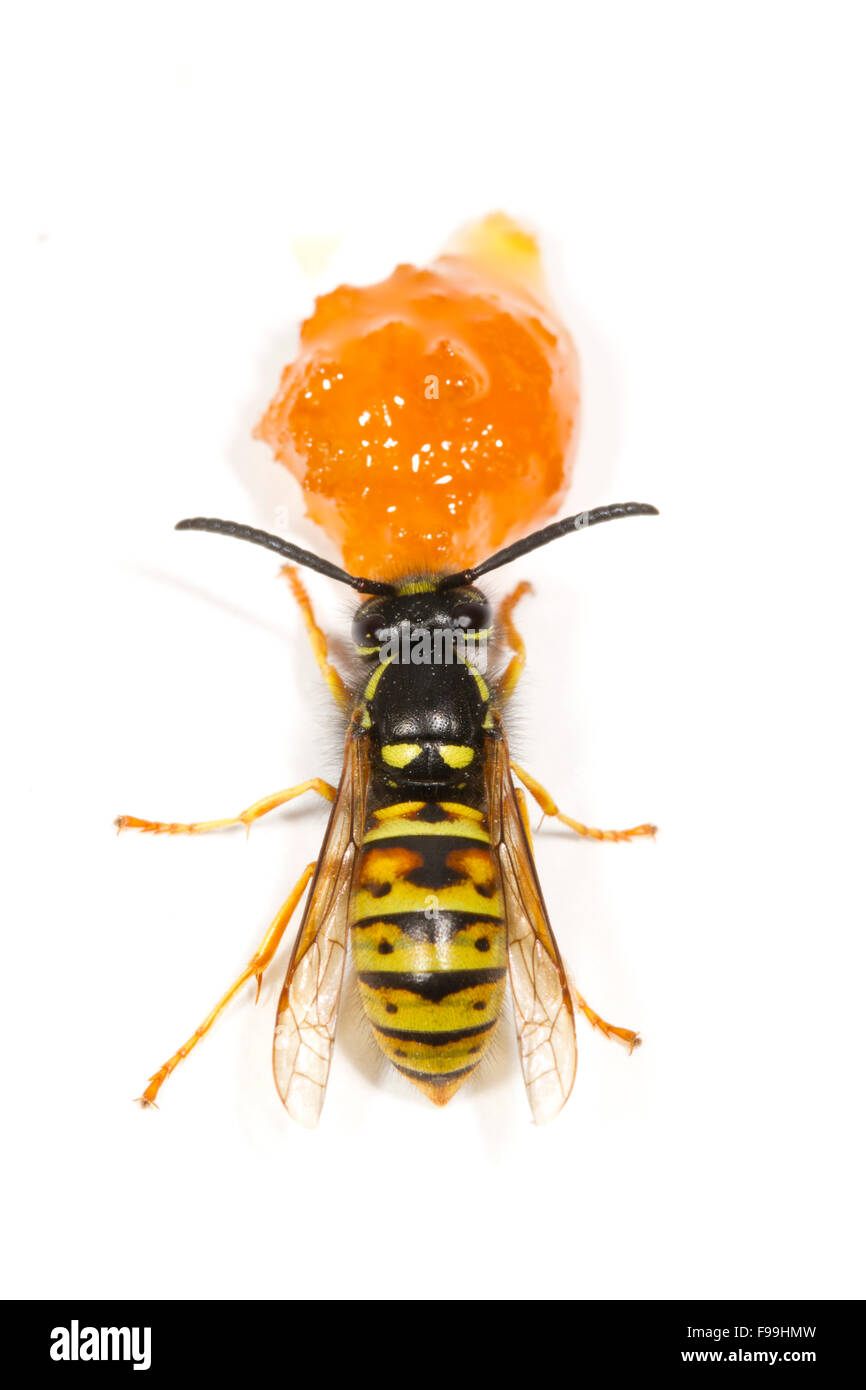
(550, 808)
(611, 1032)
(317, 638)
(625, 1036)
(514, 669)
(258, 808)
(256, 968)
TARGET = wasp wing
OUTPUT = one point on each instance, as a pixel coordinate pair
(543, 1005)
(310, 999)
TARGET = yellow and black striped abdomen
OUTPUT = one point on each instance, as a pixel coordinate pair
(429, 940)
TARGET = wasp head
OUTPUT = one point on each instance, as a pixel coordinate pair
(419, 606)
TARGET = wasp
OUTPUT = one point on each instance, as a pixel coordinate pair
(427, 864)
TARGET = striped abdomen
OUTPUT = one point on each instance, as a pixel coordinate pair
(429, 940)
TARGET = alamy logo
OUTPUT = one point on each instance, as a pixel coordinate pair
(406, 645)
(76, 1343)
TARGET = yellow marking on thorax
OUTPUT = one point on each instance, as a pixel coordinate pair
(456, 808)
(483, 689)
(400, 808)
(408, 808)
(400, 754)
(377, 675)
(455, 754)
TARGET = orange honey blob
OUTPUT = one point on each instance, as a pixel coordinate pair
(432, 418)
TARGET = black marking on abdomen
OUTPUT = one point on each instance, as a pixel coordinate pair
(432, 1078)
(435, 1039)
(435, 871)
(439, 925)
(434, 985)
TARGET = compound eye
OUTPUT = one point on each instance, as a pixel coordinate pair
(368, 628)
(474, 614)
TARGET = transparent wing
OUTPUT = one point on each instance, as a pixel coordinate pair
(310, 999)
(543, 1005)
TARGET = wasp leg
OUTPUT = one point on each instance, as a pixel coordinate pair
(318, 640)
(514, 669)
(256, 968)
(258, 808)
(550, 808)
(626, 1036)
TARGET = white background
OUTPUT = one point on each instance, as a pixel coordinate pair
(695, 172)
